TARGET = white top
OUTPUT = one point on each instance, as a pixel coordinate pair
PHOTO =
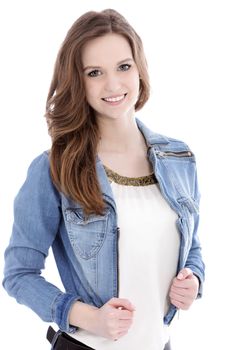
(148, 256)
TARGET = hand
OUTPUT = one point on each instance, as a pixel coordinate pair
(113, 319)
(184, 289)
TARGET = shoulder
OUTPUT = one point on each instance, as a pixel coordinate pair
(40, 162)
(161, 141)
(38, 193)
(38, 174)
(39, 168)
(171, 143)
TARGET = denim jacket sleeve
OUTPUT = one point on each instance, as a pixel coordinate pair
(194, 259)
(36, 223)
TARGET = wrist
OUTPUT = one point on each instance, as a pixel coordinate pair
(82, 315)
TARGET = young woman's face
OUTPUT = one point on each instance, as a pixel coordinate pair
(111, 76)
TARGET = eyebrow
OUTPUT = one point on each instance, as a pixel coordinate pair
(97, 67)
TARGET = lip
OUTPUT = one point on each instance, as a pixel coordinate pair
(115, 103)
(114, 96)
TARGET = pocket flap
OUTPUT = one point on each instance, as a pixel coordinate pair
(76, 215)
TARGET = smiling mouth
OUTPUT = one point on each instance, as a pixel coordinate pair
(114, 99)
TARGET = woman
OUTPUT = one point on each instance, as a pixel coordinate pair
(117, 203)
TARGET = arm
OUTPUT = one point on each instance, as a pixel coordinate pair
(36, 223)
(194, 259)
(188, 284)
(111, 321)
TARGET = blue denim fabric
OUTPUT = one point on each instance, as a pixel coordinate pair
(86, 251)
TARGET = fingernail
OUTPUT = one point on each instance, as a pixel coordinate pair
(180, 276)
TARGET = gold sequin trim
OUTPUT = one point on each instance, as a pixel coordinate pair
(130, 181)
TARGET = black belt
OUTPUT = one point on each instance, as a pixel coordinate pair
(60, 340)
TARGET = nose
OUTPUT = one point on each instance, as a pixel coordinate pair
(112, 83)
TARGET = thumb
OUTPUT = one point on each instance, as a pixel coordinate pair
(184, 273)
(122, 303)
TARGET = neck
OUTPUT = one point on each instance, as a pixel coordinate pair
(120, 136)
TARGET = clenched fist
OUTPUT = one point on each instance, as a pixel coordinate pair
(184, 289)
(110, 321)
(114, 318)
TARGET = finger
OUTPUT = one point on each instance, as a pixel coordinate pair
(120, 334)
(179, 304)
(182, 298)
(124, 315)
(185, 284)
(125, 323)
(124, 328)
(181, 292)
(185, 289)
(120, 302)
(177, 297)
(184, 273)
(186, 297)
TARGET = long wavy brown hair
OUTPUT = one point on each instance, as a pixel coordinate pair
(71, 121)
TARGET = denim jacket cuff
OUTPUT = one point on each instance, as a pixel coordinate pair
(200, 277)
(200, 290)
(61, 310)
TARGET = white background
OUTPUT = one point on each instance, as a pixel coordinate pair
(189, 48)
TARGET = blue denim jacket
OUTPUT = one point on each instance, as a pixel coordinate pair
(86, 251)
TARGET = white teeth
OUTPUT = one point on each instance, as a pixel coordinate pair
(114, 99)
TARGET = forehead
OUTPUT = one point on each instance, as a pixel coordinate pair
(110, 47)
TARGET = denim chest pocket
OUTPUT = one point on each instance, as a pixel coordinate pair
(86, 235)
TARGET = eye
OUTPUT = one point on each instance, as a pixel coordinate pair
(125, 67)
(94, 73)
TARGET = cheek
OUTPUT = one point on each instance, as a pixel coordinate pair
(134, 81)
(90, 90)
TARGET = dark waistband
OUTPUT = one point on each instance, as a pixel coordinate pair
(60, 340)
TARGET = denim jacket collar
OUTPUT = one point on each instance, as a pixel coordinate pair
(151, 137)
